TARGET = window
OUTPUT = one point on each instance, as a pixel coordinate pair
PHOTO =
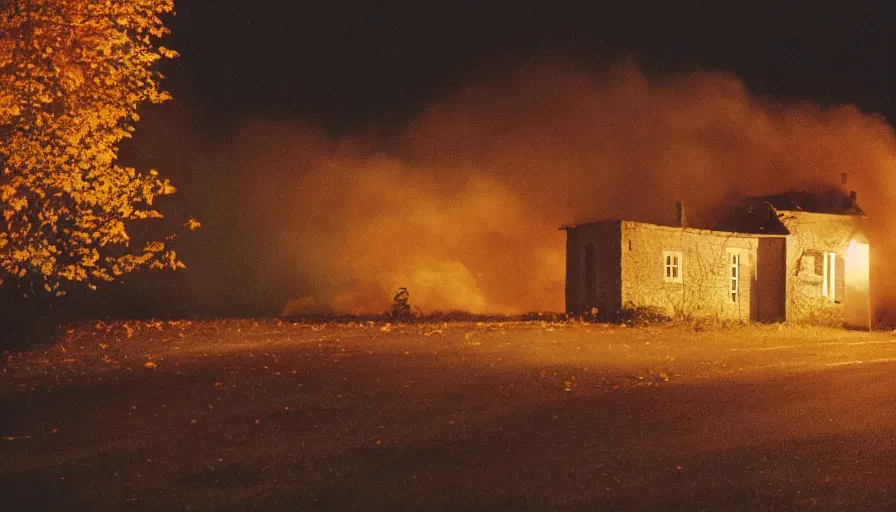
(829, 276)
(672, 266)
(734, 276)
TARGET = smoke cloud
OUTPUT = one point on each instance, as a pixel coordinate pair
(464, 204)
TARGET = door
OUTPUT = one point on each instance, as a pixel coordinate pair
(856, 293)
(767, 299)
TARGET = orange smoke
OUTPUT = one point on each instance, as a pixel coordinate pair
(463, 205)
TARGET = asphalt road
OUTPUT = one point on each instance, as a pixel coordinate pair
(353, 424)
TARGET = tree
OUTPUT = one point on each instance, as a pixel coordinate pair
(72, 77)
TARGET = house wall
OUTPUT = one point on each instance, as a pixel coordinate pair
(813, 234)
(604, 239)
(704, 289)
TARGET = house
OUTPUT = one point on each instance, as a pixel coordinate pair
(798, 257)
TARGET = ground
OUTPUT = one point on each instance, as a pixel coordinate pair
(518, 415)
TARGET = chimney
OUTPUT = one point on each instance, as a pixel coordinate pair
(843, 178)
(680, 219)
(852, 199)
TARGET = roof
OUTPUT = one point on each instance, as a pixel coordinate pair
(567, 227)
(700, 231)
(759, 214)
(832, 201)
(758, 217)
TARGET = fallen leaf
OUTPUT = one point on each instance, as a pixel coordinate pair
(13, 438)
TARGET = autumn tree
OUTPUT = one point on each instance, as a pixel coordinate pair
(72, 77)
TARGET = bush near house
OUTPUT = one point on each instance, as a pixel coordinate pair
(635, 315)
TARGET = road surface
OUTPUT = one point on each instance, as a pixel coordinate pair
(239, 414)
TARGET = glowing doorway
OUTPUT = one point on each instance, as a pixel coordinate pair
(857, 297)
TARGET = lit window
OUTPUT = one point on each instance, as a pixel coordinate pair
(734, 276)
(672, 266)
(829, 276)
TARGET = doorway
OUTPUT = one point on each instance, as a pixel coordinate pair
(768, 291)
(857, 296)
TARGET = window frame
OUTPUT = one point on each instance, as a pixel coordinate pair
(673, 266)
(829, 276)
(733, 264)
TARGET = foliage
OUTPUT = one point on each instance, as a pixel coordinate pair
(592, 315)
(401, 309)
(635, 315)
(714, 323)
(72, 76)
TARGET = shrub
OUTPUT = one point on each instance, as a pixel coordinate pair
(401, 309)
(634, 315)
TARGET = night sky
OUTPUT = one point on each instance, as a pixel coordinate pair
(342, 63)
(316, 77)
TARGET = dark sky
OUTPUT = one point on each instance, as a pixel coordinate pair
(342, 63)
